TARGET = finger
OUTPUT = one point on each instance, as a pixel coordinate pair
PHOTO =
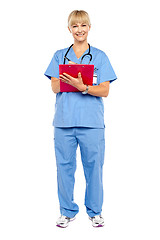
(70, 62)
(67, 75)
(64, 78)
(65, 81)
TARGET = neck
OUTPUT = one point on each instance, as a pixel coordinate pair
(80, 45)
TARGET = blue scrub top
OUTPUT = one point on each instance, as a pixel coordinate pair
(73, 109)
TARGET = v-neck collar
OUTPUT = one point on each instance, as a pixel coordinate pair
(82, 54)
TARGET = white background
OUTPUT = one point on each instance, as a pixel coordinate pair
(128, 32)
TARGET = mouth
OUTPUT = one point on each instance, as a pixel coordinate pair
(80, 35)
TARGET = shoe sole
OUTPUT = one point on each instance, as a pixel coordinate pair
(61, 226)
(100, 225)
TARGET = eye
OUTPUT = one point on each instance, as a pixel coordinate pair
(84, 25)
(74, 26)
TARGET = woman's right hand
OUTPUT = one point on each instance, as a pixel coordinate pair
(70, 62)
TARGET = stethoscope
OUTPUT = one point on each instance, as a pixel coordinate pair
(89, 54)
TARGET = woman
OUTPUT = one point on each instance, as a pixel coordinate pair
(79, 119)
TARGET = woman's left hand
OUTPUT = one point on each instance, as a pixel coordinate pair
(75, 82)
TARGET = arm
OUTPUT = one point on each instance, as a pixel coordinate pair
(101, 90)
(55, 84)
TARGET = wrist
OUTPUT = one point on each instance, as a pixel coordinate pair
(86, 91)
(83, 88)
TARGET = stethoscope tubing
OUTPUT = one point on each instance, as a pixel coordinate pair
(65, 57)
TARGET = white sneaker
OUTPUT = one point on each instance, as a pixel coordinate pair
(97, 221)
(63, 221)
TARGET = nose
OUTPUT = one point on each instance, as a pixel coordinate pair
(79, 29)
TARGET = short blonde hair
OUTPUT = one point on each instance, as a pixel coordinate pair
(80, 16)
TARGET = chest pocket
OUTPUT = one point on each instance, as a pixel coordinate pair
(95, 76)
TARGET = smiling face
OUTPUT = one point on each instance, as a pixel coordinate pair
(79, 31)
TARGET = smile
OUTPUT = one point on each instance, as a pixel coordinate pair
(80, 35)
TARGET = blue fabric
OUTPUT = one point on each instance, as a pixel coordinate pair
(73, 109)
(92, 147)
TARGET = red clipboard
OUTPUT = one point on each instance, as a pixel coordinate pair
(86, 70)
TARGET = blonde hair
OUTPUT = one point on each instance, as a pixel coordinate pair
(80, 16)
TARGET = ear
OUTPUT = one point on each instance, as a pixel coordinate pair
(69, 29)
(89, 27)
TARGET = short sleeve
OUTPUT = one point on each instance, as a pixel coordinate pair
(53, 68)
(106, 72)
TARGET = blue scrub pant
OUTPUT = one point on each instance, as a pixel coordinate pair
(92, 147)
